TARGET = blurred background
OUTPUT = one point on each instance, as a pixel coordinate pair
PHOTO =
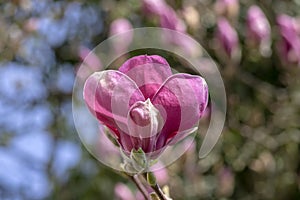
(256, 45)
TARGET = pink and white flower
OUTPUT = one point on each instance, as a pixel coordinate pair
(146, 106)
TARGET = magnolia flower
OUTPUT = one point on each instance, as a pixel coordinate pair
(144, 105)
(258, 28)
(227, 38)
(289, 45)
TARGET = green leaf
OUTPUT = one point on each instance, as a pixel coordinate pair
(151, 178)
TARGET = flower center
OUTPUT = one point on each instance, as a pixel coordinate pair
(140, 113)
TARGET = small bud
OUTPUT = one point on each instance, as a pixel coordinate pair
(127, 168)
(258, 29)
(144, 120)
(228, 39)
(154, 196)
(166, 190)
(121, 26)
(154, 7)
(151, 178)
(289, 45)
(139, 159)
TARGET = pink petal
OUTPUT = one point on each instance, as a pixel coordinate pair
(109, 95)
(183, 99)
(227, 36)
(149, 72)
(129, 142)
(181, 135)
(170, 20)
(155, 7)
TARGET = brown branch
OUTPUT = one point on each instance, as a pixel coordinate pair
(159, 192)
(157, 189)
(140, 186)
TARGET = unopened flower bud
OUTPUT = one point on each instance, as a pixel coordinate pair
(144, 120)
(121, 26)
(289, 45)
(258, 29)
(227, 38)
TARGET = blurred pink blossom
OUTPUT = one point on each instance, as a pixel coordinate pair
(170, 20)
(162, 176)
(227, 38)
(91, 62)
(144, 105)
(121, 26)
(288, 24)
(122, 192)
(154, 7)
(289, 45)
(90, 58)
(258, 28)
(226, 182)
(166, 14)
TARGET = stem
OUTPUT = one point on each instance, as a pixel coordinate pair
(157, 189)
(159, 192)
(140, 186)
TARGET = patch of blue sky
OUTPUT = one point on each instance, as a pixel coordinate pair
(54, 31)
(18, 178)
(66, 111)
(36, 51)
(26, 120)
(67, 155)
(65, 78)
(37, 7)
(83, 22)
(36, 147)
(20, 83)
